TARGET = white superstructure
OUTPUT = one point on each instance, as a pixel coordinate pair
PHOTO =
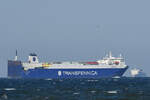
(110, 60)
(107, 62)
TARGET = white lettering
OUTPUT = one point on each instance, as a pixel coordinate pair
(79, 73)
(59, 73)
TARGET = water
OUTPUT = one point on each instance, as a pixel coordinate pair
(75, 89)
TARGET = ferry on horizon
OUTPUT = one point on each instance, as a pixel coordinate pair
(109, 66)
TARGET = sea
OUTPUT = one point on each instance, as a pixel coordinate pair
(125, 88)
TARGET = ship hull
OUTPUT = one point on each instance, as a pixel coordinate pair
(73, 73)
(15, 70)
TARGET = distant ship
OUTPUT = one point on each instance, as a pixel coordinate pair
(109, 66)
(137, 73)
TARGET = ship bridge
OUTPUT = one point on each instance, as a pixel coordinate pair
(110, 60)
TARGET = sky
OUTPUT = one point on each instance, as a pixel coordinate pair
(75, 30)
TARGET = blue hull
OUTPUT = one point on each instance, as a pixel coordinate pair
(15, 70)
(72, 73)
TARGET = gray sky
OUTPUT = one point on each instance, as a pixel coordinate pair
(74, 30)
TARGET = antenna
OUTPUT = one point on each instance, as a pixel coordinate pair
(16, 57)
(110, 55)
(120, 55)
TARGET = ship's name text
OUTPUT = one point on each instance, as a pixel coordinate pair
(80, 73)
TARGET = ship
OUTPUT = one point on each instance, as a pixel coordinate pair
(135, 72)
(108, 66)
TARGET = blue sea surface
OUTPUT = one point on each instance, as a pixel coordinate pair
(75, 89)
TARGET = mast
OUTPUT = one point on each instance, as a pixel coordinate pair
(120, 55)
(110, 54)
(16, 57)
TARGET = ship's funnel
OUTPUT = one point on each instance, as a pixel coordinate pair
(33, 58)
